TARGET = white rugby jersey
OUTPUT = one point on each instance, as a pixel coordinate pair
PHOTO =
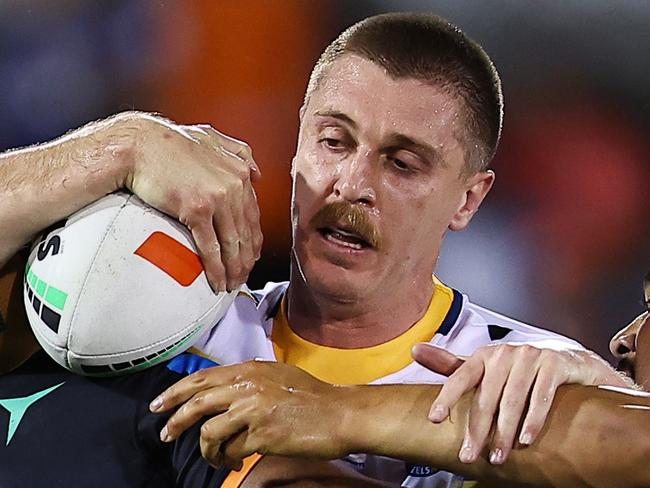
(255, 326)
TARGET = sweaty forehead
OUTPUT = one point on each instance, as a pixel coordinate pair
(366, 93)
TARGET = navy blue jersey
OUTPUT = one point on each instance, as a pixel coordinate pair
(58, 429)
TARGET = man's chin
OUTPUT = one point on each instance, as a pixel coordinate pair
(336, 282)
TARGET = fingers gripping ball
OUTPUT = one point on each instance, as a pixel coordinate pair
(118, 287)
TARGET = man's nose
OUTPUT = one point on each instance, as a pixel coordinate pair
(354, 179)
(622, 344)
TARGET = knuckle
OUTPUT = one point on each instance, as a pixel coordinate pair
(549, 355)
(533, 351)
(486, 352)
(247, 369)
(249, 262)
(248, 366)
(505, 349)
(483, 403)
(199, 377)
(511, 403)
(207, 433)
(526, 349)
(245, 150)
(197, 211)
(196, 403)
(172, 423)
(219, 196)
(246, 234)
(243, 172)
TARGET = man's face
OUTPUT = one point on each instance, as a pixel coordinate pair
(631, 345)
(377, 180)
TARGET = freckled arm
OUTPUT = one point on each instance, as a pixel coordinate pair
(42, 184)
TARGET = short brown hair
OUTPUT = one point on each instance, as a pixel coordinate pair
(428, 48)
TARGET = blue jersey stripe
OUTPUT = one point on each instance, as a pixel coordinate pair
(452, 315)
(188, 363)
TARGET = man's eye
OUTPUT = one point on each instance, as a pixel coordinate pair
(332, 143)
(399, 164)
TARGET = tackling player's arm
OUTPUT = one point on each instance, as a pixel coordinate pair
(193, 173)
(274, 408)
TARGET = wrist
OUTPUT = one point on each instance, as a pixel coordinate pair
(121, 143)
(359, 424)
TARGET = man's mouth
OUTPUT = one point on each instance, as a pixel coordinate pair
(345, 237)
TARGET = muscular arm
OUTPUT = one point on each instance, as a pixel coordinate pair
(193, 173)
(42, 184)
(593, 436)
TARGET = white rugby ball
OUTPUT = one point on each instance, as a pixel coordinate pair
(118, 287)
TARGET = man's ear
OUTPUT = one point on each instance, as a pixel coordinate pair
(476, 189)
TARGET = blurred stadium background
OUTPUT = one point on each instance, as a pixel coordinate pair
(563, 241)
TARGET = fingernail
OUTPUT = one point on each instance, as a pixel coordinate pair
(526, 438)
(156, 404)
(437, 413)
(466, 455)
(164, 434)
(496, 456)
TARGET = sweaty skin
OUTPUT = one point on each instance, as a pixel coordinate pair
(407, 177)
(270, 408)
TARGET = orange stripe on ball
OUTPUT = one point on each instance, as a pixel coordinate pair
(175, 259)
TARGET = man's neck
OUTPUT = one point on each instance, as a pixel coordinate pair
(357, 323)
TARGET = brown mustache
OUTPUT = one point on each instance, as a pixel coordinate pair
(352, 218)
(626, 366)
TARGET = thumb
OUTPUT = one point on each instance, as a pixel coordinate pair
(436, 359)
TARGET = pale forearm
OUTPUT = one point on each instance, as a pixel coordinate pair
(580, 445)
(44, 183)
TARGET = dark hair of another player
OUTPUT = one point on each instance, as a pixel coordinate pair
(430, 49)
(646, 280)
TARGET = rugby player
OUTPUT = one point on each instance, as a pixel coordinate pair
(401, 118)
